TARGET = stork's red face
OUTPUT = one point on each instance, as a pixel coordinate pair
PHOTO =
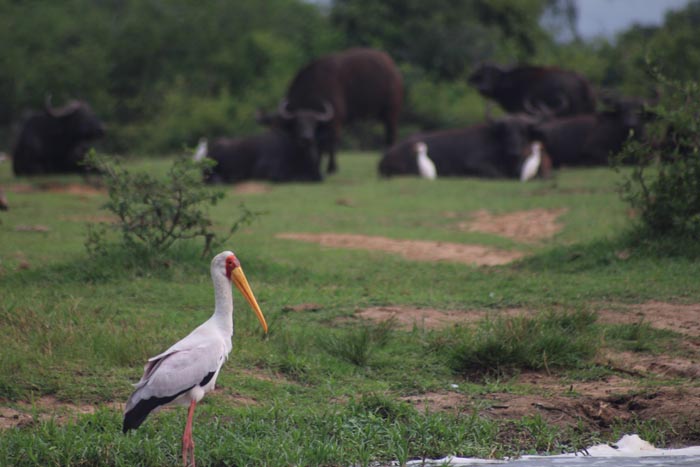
(231, 264)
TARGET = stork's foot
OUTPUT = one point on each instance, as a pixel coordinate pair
(188, 451)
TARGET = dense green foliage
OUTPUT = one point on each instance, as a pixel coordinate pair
(163, 74)
(664, 186)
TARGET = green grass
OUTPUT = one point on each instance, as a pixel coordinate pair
(327, 388)
(551, 341)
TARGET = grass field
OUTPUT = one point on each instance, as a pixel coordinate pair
(540, 363)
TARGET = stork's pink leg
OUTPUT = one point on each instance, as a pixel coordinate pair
(187, 441)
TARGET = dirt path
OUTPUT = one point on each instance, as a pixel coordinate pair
(529, 226)
(418, 250)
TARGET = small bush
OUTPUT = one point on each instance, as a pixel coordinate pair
(554, 340)
(664, 185)
(154, 213)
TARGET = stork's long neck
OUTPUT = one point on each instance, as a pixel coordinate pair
(223, 303)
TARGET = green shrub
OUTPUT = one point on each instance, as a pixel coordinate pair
(664, 185)
(154, 214)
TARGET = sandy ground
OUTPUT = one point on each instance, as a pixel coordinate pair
(417, 250)
(251, 188)
(529, 226)
(67, 188)
(44, 408)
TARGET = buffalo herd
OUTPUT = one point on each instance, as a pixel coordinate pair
(553, 118)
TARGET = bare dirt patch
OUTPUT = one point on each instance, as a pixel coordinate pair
(251, 188)
(660, 365)
(239, 400)
(677, 406)
(69, 188)
(44, 408)
(598, 405)
(683, 319)
(529, 226)
(418, 250)
(75, 189)
(405, 318)
(97, 218)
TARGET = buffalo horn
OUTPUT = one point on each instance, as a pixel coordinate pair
(283, 111)
(67, 109)
(327, 114)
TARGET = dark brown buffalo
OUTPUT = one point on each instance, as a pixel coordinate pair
(584, 140)
(338, 89)
(4, 205)
(535, 90)
(495, 150)
(272, 156)
(56, 140)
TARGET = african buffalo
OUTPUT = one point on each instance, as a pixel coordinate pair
(272, 155)
(56, 140)
(496, 149)
(590, 139)
(535, 90)
(338, 89)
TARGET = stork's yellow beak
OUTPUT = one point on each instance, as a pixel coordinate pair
(242, 283)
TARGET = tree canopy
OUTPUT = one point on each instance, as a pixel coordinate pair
(162, 74)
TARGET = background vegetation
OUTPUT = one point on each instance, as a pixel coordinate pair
(163, 74)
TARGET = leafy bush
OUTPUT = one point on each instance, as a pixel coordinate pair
(664, 185)
(154, 214)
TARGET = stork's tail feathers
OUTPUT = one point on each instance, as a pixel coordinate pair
(134, 417)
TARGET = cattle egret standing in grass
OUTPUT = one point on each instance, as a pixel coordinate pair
(532, 164)
(200, 151)
(188, 370)
(426, 167)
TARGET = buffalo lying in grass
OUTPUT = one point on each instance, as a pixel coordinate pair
(56, 140)
(272, 155)
(499, 149)
(590, 139)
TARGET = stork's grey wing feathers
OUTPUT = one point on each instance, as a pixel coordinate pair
(178, 371)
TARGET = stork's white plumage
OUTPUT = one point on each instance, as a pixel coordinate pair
(188, 370)
(532, 163)
(200, 151)
(426, 167)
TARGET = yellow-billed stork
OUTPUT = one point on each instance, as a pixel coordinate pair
(188, 370)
